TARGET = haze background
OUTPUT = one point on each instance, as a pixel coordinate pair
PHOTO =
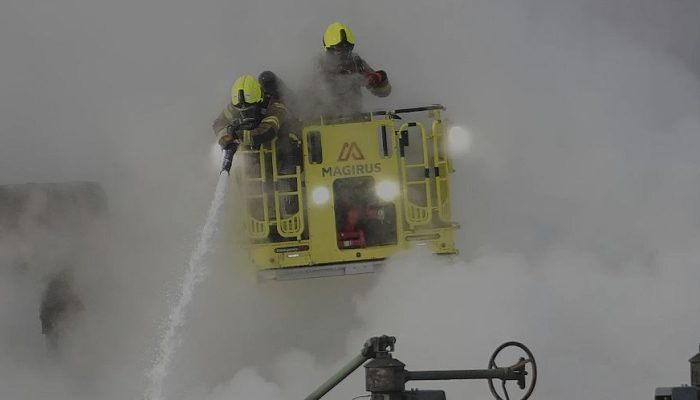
(578, 200)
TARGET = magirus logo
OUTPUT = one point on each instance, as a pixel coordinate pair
(350, 150)
(352, 169)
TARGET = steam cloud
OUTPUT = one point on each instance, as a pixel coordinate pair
(578, 199)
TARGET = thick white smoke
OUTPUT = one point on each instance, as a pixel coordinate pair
(577, 198)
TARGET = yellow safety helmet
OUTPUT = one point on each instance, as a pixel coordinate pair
(246, 91)
(338, 34)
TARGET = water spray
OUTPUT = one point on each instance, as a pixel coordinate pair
(195, 272)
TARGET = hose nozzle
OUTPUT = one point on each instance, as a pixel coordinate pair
(228, 160)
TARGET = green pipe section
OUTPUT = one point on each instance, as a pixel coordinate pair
(334, 380)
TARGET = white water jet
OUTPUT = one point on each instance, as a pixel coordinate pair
(196, 270)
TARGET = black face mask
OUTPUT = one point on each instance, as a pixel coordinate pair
(250, 116)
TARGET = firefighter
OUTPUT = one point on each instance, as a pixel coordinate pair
(256, 115)
(345, 73)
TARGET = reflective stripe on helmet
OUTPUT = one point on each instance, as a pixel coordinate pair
(337, 33)
(246, 90)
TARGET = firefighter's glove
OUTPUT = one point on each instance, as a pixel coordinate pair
(227, 141)
(375, 79)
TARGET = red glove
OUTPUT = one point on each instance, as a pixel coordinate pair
(375, 78)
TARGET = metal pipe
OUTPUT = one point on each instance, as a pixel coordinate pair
(497, 373)
(334, 380)
(417, 109)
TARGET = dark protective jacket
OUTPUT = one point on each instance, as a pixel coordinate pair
(274, 115)
(343, 79)
(276, 121)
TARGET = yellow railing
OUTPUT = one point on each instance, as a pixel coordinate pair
(256, 197)
(259, 191)
(442, 169)
(288, 226)
(416, 214)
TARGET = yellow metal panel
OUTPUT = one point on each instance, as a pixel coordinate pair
(353, 149)
(349, 150)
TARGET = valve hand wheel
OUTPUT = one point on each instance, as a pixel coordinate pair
(520, 368)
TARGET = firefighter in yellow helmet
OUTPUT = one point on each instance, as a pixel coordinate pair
(345, 72)
(255, 115)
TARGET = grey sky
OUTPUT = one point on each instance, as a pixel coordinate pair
(585, 115)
